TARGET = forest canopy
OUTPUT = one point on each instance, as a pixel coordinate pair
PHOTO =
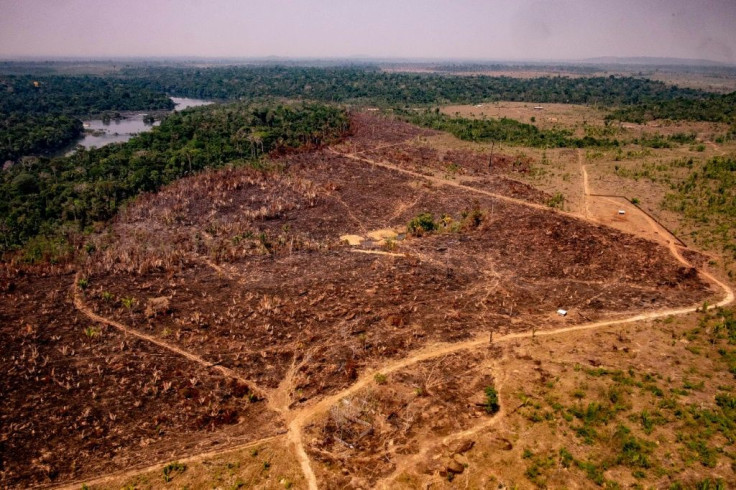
(368, 84)
(41, 114)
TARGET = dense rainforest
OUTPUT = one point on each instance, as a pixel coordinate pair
(715, 108)
(635, 99)
(40, 114)
(367, 84)
(26, 134)
(52, 197)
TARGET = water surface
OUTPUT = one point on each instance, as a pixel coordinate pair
(99, 133)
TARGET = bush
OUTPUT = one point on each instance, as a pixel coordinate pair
(556, 201)
(472, 218)
(171, 469)
(491, 404)
(421, 224)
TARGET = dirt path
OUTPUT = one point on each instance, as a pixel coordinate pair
(376, 252)
(666, 236)
(132, 472)
(440, 181)
(298, 422)
(586, 189)
(437, 350)
(79, 304)
(412, 461)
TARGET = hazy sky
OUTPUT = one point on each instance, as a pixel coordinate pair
(479, 29)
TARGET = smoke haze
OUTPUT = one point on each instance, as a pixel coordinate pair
(469, 29)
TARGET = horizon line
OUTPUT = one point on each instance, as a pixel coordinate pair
(596, 60)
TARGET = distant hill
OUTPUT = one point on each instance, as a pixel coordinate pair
(651, 60)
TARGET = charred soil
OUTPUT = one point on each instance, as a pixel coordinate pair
(245, 270)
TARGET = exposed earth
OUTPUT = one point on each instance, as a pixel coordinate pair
(299, 307)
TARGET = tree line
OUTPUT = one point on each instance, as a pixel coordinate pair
(504, 130)
(713, 108)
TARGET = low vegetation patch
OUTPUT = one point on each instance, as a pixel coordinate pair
(708, 197)
(654, 427)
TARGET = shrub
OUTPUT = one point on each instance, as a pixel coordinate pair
(634, 452)
(421, 224)
(565, 458)
(171, 469)
(556, 201)
(491, 404)
(726, 401)
(472, 218)
(709, 484)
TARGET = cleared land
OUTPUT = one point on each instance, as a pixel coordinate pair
(226, 311)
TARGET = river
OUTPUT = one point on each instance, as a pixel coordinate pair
(99, 133)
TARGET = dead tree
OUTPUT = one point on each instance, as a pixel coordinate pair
(490, 158)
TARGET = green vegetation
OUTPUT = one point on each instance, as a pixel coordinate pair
(672, 429)
(49, 201)
(502, 130)
(172, 469)
(513, 132)
(39, 114)
(421, 224)
(76, 95)
(702, 190)
(716, 108)
(491, 403)
(66, 196)
(659, 141)
(366, 83)
(708, 197)
(556, 201)
(25, 134)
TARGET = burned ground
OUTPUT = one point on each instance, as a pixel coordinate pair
(365, 434)
(290, 289)
(81, 398)
(246, 269)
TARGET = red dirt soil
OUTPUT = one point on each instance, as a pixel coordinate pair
(257, 280)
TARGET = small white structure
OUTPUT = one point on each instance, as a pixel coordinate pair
(538, 108)
(621, 211)
(562, 312)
